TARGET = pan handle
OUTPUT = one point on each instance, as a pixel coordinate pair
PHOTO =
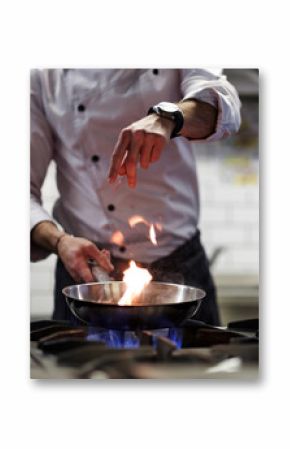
(99, 274)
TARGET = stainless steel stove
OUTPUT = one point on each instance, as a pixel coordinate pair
(60, 350)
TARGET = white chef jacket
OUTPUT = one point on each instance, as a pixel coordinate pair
(76, 117)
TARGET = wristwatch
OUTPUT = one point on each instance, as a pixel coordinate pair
(171, 112)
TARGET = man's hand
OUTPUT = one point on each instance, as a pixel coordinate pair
(143, 142)
(75, 252)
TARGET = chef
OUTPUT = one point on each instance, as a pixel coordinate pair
(123, 143)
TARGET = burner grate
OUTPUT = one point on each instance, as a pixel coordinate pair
(60, 348)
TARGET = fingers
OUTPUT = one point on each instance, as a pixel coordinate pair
(73, 273)
(133, 157)
(134, 145)
(75, 252)
(79, 271)
(101, 257)
(151, 152)
(118, 155)
(85, 273)
(156, 152)
(106, 253)
(145, 157)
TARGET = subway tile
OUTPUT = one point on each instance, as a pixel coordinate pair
(41, 304)
(245, 215)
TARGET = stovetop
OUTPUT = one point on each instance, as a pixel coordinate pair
(60, 350)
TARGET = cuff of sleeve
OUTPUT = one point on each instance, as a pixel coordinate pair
(205, 95)
(38, 217)
(225, 125)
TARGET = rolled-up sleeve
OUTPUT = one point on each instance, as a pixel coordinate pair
(41, 153)
(212, 87)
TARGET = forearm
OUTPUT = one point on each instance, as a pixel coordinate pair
(199, 119)
(46, 235)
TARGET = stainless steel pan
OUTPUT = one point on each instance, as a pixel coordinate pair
(160, 305)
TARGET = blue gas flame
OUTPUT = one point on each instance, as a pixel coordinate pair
(114, 338)
(173, 334)
(129, 339)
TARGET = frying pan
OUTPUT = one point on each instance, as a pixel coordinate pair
(159, 305)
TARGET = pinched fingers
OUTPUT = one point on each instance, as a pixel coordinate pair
(106, 253)
(75, 253)
(100, 257)
(134, 145)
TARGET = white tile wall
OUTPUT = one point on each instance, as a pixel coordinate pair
(229, 210)
(229, 218)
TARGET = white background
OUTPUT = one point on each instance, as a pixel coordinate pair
(126, 413)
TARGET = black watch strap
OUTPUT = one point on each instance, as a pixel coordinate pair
(177, 117)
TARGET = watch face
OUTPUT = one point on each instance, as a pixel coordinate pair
(168, 107)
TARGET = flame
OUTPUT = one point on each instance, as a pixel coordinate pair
(136, 279)
(135, 219)
(118, 238)
(152, 235)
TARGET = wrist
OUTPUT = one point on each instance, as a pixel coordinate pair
(166, 123)
(63, 236)
(46, 234)
(172, 113)
(58, 241)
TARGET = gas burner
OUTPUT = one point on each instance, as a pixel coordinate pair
(62, 350)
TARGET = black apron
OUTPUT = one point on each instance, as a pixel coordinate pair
(186, 265)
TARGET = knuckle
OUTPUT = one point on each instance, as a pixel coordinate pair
(149, 137)
(138, 134)
(125, 132)
(160, 138)
(89, 245)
